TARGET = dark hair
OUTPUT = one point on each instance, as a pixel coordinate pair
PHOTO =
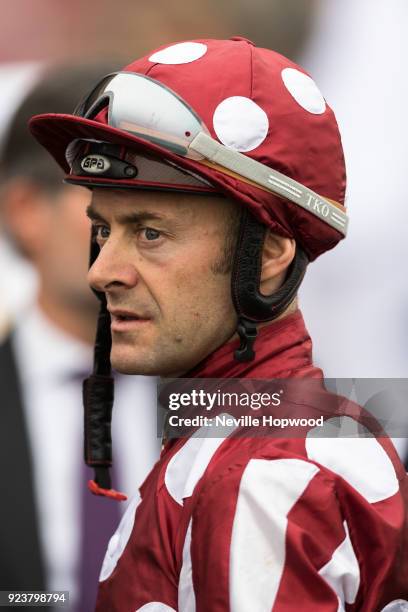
(58, 90)
(225, 259)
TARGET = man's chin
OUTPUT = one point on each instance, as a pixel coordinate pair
(131, 362)
(126, 366)
(125, 362)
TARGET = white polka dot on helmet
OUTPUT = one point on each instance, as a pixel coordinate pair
(253, 101)
(304, 90)
(240, 123)
(181, 53)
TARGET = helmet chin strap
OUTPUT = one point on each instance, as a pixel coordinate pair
(252, 307)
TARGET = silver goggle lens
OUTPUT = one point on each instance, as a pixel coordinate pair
(146, 108)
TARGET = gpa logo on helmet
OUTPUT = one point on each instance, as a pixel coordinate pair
(95, 164)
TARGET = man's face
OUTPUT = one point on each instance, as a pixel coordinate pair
(62, 258)
(159, 268)
(51, 229)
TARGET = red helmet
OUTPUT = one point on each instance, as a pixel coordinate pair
(244, 103)
(209, 116)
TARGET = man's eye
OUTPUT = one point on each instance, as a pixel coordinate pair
(151, 234)
(101, 233)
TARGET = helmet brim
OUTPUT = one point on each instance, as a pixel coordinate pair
(56, 131)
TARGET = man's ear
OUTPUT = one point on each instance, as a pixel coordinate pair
(277, 255)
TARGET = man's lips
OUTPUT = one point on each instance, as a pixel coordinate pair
(124, 320)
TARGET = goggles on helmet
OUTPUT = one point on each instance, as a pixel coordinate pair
(148, 109)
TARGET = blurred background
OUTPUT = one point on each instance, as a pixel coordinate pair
(34, 35)
(355, 298)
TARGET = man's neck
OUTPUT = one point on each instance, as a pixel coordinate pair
(293, 306)
(281, 348)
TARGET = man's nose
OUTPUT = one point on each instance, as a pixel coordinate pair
(111, 270)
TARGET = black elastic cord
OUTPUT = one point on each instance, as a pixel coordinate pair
(252, 307)
(98, 394)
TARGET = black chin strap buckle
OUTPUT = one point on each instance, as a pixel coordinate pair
(247, 332)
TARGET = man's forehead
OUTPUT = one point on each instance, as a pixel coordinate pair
(114, 203)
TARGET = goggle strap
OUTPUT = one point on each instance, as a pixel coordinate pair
(273, 181)
(98, 393)
(98, 402)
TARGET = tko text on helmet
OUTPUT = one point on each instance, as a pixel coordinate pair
(318, 205)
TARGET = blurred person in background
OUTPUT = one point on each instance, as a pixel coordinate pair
(52, 534)
(18, 285)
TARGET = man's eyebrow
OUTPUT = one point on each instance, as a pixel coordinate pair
(93, 214)
(125, 219)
